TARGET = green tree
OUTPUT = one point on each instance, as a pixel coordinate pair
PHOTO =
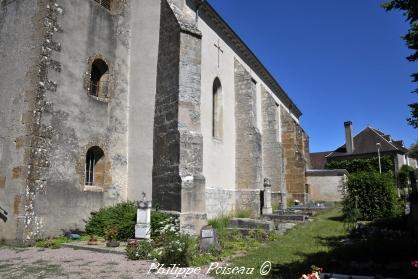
(410, 11)
(413, 150)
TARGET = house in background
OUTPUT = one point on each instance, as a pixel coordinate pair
(365, 145)
(325, 185)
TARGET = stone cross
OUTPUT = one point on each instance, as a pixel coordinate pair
(267, 209)
(143, 219)
(218, 46)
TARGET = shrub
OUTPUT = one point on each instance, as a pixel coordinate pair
(111, 232)
(407, 177)
(158, 221)
(369, 196)
(177, 249)
(140, 250)
(123, 217)
(363, 165)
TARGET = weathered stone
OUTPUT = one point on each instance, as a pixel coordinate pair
(283, 227)
(283, 217)
(248, 139)
(247, 223)
(209, 239)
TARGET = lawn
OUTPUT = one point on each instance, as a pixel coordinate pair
(385, 247)
(291, 253)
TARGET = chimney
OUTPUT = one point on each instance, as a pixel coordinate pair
(349, 143)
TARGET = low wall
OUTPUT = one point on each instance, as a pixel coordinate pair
(326, 185)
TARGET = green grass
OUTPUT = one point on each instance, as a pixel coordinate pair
(294, 247)
(56, 242)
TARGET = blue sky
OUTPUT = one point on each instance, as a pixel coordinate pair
(337, 60)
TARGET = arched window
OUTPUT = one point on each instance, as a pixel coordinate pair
(105, 3)
(95, 167)
(99, 78)
(217, 110)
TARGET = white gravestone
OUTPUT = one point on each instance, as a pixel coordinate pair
(143, 219)
(267, 209)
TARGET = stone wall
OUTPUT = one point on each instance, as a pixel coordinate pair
(20, 51)
(296, 156)
(326, 185)
(273, 163)
(166, 182)
(220, 202)
(248, 141)
(78, 120)
(178, 183)
(61, 120)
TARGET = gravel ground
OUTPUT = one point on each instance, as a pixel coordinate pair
(25, 263)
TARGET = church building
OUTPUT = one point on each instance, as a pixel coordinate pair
(103, 100)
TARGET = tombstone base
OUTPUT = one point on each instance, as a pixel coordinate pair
(142, 231)
(267, 210)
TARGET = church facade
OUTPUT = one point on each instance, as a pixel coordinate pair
(103, 100)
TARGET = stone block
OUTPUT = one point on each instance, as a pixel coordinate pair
(247, 223)
(283, 227)
(286, 217)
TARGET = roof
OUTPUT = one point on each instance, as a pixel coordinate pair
(365, 143)
(318, 159)
(250, 58)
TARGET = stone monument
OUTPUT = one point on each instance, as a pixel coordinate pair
(209, 239)
(143, 219)
(267, 209)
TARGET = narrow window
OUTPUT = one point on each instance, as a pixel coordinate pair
(217, 113)
(99, 79)
(94, 166)
(105, 3)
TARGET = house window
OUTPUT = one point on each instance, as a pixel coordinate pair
(99, 79)
(217, 110)
(95, 166)
(105, 3)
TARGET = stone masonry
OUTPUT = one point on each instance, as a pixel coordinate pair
(296, 154)
(178, 183)
(273, 163)
(248, 142)
(66, 151)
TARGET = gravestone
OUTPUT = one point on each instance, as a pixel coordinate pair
(143, 219)
(209, 239)
(267, 209)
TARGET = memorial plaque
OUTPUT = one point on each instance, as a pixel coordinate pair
(208, 233)
(208, 239)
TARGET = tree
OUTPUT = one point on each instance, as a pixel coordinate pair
(413, 150)
(410, 11)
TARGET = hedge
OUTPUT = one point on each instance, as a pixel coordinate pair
(369, 196)
(363, 165)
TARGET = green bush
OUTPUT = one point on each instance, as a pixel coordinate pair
(407, 177)
(363, 165)
(369, 196)
(177, 249)
(158, 221)
(123, 217)
(142, 250)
